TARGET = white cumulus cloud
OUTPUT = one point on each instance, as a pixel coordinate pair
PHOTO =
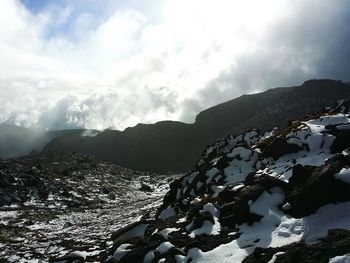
(66, 66)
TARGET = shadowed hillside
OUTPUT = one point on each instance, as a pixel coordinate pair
(174, 146)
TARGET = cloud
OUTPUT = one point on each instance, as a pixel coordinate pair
(296, 47)
(76, 64)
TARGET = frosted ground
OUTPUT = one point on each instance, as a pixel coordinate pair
(79, 214)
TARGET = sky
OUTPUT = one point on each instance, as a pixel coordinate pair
(115, 63)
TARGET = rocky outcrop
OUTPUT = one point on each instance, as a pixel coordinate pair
(336, 243)
(279, 196)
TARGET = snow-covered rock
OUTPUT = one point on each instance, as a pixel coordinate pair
(276, 196)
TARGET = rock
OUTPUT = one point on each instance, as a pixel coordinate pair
(7, 199)
(237, 211)
(279, 147)
(104, 190)
(336, 243)
(300, 175)
(170, 196)
(32, 180)
(341, 142)
(314, 187)
(6, 180)
(126, 229)
(146, 188)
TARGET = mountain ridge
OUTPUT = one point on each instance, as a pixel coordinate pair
(170, 146)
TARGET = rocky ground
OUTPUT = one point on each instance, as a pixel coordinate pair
(53, 205)
(279, 196)
(257, 197)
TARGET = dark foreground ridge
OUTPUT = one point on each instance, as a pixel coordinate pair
(174, 146)
(278, 196)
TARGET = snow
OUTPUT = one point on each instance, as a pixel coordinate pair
(266, 200)
(226, 253)
(8, 215)
(181, 220)
(167, 231)
(162, 248)
(318, 125)
(82, 254)
(207, 228)
(237, 187)
(195, 201)
(149, 257)
(315, 146)
(346, 152)
(340, 259)
(211, 173)
(343, 175)
(274, 257)
(283, 167)
(167, 213)
(121, 251)
(209, 207)
(137, 231)
(331, 216)
(286, 206)
(274, 229)
(251, 137)
(239, 168)
(241, 152)
(277, 229)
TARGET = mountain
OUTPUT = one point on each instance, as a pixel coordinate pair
(18, 141)
(174, 146)
(257, 197)
(281, 195)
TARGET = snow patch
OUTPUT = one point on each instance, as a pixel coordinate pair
(340, 259)
(121, 251)
(137, 231)
(343, 175)
(274, 257)
(226, 253)
(167, 213)
(167, 231)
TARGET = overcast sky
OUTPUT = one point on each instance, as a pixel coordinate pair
(100, 64)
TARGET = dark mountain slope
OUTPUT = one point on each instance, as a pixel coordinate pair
(175, 146)
(273, 107)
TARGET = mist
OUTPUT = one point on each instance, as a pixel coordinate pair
(65, 66)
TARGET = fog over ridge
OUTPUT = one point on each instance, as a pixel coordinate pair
(67, 66)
